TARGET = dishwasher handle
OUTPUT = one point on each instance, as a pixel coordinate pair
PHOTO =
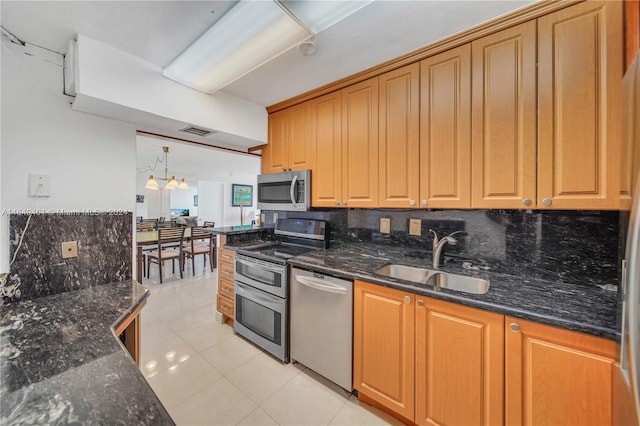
(320, 285)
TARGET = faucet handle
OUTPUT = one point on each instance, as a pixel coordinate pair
(451, 240)
(435, 238)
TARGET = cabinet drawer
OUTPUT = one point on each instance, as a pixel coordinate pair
(225, 306)
(227, 256)
(226, 271)
(225, 288)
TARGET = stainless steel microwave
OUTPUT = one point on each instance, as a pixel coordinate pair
(287, 191)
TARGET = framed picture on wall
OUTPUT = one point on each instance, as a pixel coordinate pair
(195, 201)
(241, 195)
(139, 198)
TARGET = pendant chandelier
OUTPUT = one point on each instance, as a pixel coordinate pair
(172, 183)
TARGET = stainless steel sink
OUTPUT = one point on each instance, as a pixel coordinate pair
(459, 283)
(437, 279)
(403, 272)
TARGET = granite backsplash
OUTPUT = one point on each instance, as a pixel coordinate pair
(579, 247)
(104, 252)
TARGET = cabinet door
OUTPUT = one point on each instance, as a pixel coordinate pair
(459, 364)
(504, 119)
(326, 177)
(399, 168)
(445, 129)
(556, 377)
(579, 98)
(383, 347)
(276, 161)
(360, 144)
(299, 137)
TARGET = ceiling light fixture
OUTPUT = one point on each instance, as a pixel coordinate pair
(172, 183)
(251, 34)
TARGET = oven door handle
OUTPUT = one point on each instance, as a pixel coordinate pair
(322, 286)
(274, 304)
(262, 266)
(292, 190)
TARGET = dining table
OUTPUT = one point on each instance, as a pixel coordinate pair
(150, 238)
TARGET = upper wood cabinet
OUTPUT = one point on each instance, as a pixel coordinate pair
(326, 178)
(504, 119)
(289, 146)
(556, 377)
(445, 129)
(579, 106)
(383, 347)
(360, 144)
(459, 364)
(399, 169)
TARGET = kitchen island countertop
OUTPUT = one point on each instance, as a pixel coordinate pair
(61, 363)
(584, 308)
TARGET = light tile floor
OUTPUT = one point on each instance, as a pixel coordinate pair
(206, 375)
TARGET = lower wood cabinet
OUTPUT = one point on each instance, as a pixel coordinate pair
(431, 362)
(226, 275)
(128, 331)
(556, 377)
(459, 364)
(428, 361)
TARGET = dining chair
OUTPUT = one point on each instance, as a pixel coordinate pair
(209, 224)
(170, 247)
(201, 242)
(145, 226)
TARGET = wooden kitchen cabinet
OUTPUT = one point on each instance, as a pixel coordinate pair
(289, 146)
(445, 129)
(383, 347)
(399, 143)
(226, 273)
(128, 331)
(428, 361)
(579, 106)
(326, 179)
(504, 119)
(360, 144)
(459, 364)
(556, 377)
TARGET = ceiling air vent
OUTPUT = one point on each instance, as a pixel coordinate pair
(197, 131)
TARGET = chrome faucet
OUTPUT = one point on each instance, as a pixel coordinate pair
(439, 243)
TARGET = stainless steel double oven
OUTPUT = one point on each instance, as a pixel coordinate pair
(262, 283)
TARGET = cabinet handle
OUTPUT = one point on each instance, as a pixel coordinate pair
(420, 303)
(344, 202)
(407, 299)
(514, 327)
(337, 203)
(526, 201)
(547, 201)
(284, 169)
(424, 202)
(412, 202)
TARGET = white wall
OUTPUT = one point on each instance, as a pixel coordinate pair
(91, 159)
(211, 202)
(183, 199)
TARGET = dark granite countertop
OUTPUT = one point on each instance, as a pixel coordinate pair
(587, 308)
(233, 230)
(60, 362)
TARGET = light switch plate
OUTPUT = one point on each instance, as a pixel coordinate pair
(39, 186)
(69, 249)
(415, 227)
(385, 225)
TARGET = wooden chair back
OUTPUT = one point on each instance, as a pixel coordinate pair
(145, 226)
(208, 224)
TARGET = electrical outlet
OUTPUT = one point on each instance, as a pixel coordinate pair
(275, 217)
(415, 227)
(69, 249)
(385, 225)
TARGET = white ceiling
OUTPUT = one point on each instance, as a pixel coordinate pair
(158, 31)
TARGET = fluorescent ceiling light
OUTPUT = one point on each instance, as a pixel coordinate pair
(320, 15)
(249, 35)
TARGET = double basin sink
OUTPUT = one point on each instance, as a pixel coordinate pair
(435, 278)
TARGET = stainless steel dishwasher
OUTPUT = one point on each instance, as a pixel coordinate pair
(321, 318)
